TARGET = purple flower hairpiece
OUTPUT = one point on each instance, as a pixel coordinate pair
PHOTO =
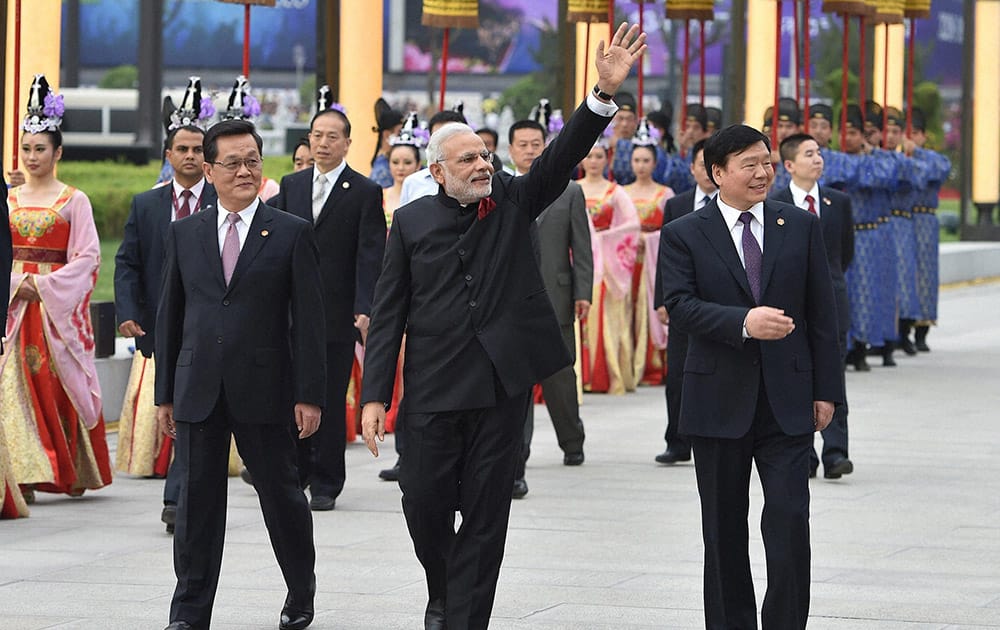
(423, 134)
(251, 106)
(340, 108)
(54, 106)
(555, 123)
(206, 109)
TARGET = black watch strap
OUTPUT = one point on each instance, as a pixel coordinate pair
(602, 94)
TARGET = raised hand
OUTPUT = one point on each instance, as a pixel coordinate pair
(614, 64)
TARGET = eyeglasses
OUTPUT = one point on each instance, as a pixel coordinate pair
(252, 164)
(467, 159)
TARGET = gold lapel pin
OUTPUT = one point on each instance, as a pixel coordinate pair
(346, 184)
(827, 201)
(781, 221)
(264, 233)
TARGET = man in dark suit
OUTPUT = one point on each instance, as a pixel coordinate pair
(346, 208)
(461, 277)
(567, 265)
(678, 447)
(239, 321)
(139, 261)
(749, 282)
(6, 259)
(804, 163)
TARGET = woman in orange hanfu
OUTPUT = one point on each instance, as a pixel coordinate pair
(607, 340)
(649, 198)
(50, 398)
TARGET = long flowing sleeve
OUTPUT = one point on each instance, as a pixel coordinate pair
(619, 244)
(65, 295)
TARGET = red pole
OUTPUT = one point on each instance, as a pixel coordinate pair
(640, 71)
(844, 68)
(17, 80)
(246, 40)
(885, 84)
(909, 78)
(444, 68)
(806, 62)
(684, 72)
(586, 63)
(777, 75)
(795, 48)
(701, 62)
(862, 56)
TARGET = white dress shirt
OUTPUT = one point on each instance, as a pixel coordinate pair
(417, 185)
(195, 201)
(799, 196)
(242, 228)
(331, 177)
(732, 218)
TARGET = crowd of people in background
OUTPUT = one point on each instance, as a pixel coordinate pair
(599, 247)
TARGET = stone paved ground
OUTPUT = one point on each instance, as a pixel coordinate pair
(911, 540)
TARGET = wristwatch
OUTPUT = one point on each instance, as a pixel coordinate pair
(601, 94)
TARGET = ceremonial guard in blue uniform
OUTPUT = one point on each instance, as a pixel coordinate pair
(935, 170)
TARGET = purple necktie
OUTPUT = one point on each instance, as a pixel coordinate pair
(230, 247)
(751, 256)
(185, 209)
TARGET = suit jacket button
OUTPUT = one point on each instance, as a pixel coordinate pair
(461, 252)
(225, 302)
(468, 278)
(756, 361)
(472, 303)
(218, 340)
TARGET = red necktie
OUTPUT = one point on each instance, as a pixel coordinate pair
(185, 209)
(486, 206)
(812, 204)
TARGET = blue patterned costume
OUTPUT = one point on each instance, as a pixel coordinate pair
(936, 168)
(781, 177)
(904, 239)
(871, 288)
(381, 174)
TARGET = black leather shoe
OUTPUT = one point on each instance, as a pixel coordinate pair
(907, 346)
(245, 476)
(520, 489)
(887, 360)
(573, 459)
(434, 618)
(673, 455)
(920, 338)
(390, 474)
(169, 518)
(322, 504)
(292, 619)
(838, 468)
(179, 625)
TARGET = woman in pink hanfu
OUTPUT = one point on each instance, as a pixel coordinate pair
(607, 348)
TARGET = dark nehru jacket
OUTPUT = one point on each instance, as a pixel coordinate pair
(469, 292)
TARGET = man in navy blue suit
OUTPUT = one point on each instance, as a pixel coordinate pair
(804, 164)
(749, 282)
(139, 261)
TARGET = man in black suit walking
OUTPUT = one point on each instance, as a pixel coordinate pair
(678, 447)
(804, 163)
(461, 277)
(6, 259)
(239, 321)
(749, 282)
(567, 265)
(346, 209)
(139, 262)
